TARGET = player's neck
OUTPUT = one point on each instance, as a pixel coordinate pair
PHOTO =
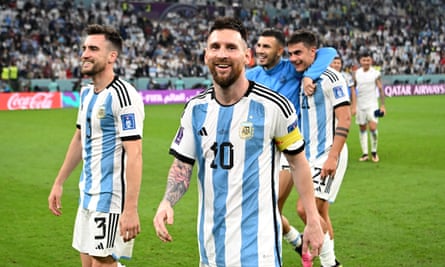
(101, 82)
(233, 93)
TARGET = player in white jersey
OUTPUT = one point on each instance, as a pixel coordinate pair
(325, 122)
(365, 105)
(234, 131)
(108, 139)
(337, 64)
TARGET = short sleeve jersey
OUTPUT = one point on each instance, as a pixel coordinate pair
(317, 112)
(366, 88)
(236, 148)
(106, 119)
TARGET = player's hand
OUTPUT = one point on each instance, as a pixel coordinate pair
(164, 214)
(313, 238)
(308, 86)
(383, 109)
(55, 200)
(129, 224)
(329, 167)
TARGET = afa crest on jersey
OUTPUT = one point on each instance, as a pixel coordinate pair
(101, 112)
(246, 130)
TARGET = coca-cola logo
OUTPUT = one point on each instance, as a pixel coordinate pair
(31, 101)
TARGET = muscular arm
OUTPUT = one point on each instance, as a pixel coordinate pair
(178, 182)
(72, 159)
(353, 96)
(378, 83)
(129, 221)
(343, 116)
(323, 59)
(301, 175)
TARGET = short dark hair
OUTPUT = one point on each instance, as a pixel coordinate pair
(272, 32)
(110, 33)
(229, 23)
(364, 53)
(308, 38)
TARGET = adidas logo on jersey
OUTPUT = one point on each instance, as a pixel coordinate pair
(100, 246)
(203, 132)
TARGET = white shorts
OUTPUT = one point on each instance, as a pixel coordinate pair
(284, 164)
(97, 234)
(328, 188)
(364, 116)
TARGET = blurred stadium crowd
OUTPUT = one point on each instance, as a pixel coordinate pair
(41, 39)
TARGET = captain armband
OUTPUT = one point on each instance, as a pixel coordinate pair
(341, 131)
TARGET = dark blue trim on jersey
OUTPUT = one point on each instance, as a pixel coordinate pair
(277, 229)
(345, 103)
(131, 137)
(181, 157)
(122, 176)
(294, 152)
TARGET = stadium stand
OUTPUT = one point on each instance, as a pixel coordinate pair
(164, 40)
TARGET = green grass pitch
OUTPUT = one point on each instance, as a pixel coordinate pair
(387, 214)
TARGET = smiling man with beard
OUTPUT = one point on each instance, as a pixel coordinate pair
(108, 138)
(235, 130)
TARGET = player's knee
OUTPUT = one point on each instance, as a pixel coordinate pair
(99, 261)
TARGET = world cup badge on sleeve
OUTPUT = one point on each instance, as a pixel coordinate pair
(246, 130)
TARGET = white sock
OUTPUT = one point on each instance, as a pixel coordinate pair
(374, 140)
(364, 141)
(293, 237)
(327, 255)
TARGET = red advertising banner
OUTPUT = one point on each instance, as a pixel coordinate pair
(41, 100)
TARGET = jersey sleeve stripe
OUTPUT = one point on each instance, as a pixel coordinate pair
(333, 77)
(122, 93)
(275, 97)
(181, 157)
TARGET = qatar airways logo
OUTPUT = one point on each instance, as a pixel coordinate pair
(30, 101)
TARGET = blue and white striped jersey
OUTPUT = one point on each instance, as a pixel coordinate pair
(106, 119)
(236, 148)
(317, 112)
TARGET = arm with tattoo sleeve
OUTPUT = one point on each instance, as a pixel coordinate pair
(177, 184)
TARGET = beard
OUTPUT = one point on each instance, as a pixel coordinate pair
(227, 79)
(95, 69)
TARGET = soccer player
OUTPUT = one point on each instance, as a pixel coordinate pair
(365, 105)
(325, 122)
(235, 130)
(279, 74)
(108, 139)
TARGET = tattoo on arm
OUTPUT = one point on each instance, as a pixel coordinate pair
(178, 181)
